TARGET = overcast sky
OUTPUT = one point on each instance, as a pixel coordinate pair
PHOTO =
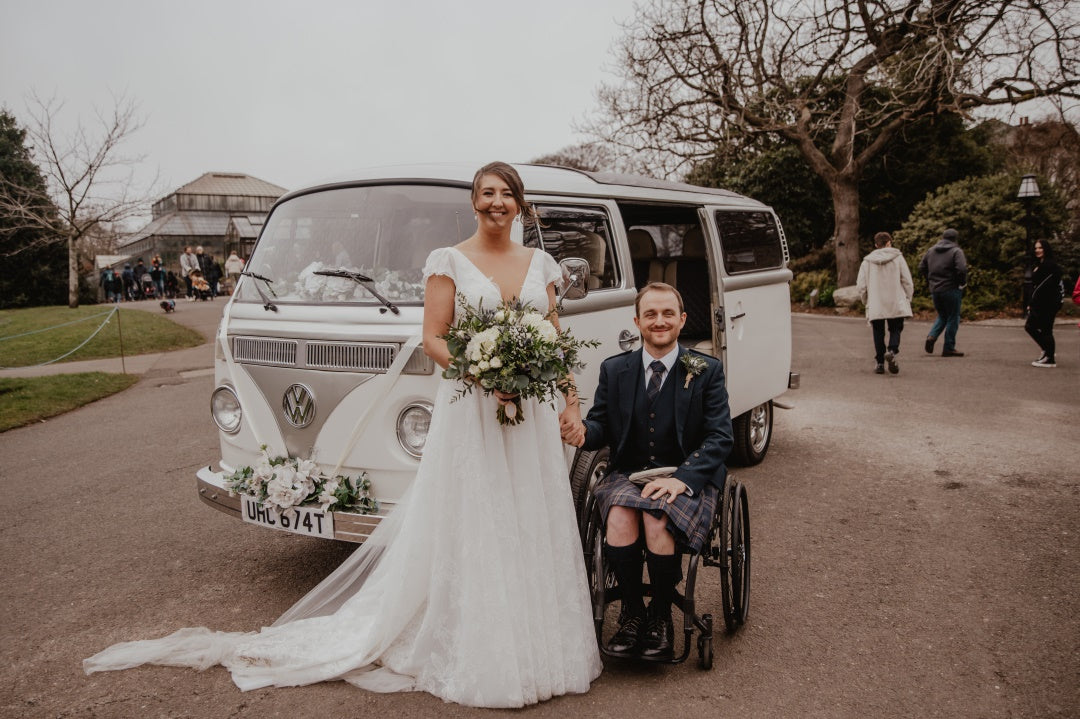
(293, 92)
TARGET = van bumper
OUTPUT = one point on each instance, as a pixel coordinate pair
(348, 527)
(793, 380)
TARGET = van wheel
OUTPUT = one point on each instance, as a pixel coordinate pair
(753, 432)
(589, 468)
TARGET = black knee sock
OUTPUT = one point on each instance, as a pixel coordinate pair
(665, 571)
(626, 563)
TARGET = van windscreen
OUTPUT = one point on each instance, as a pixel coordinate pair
(384, 232)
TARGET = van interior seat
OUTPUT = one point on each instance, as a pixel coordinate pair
(592, 248)
(689, 274)
(647, 268)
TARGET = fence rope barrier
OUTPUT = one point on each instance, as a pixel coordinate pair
(81, 345)
(65, 324)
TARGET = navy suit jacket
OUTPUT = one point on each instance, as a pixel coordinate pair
(702, 420)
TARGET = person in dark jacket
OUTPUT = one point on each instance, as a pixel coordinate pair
(128, 277)
(1045, 302)
(945, 269)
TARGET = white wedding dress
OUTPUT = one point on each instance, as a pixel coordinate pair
(473, 589)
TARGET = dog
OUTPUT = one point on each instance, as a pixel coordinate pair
(168, 306)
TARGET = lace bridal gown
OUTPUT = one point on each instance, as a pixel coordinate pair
(473, 589)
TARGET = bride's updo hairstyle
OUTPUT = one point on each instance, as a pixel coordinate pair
(510, 176)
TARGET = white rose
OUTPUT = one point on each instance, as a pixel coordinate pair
(307, 467)
(496, 362)
(285, 474)
(484, 365)
(500, 316)
(279, 495)
(474, 370)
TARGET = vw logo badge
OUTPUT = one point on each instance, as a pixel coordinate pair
(298, 405)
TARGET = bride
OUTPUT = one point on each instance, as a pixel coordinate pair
(474, 588)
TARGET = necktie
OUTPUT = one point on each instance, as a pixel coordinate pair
(656, 380)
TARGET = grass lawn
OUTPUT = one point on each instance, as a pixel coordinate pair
(30, 399)
(58, 330)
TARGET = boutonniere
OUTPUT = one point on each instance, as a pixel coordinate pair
(693, 365)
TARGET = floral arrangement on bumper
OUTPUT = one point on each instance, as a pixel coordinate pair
(279, 483)
(514, 349)
(693, 365)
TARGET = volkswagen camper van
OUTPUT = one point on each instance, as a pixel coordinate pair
(318, 356)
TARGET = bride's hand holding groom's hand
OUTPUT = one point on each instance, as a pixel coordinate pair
(571, 427)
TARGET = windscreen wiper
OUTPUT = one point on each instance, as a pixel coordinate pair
(267, 304)
(364, 281)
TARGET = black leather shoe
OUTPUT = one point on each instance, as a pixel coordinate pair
(628, 637)
(659, 639)
(929, 346)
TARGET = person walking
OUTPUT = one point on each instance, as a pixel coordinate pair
(188, 264)
(885, 287)
(945, 269)
(1046, 299)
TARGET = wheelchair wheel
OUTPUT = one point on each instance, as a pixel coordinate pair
(740, 557)
(601, 578)
(704, 644)
(731, 546)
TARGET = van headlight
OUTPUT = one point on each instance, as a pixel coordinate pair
(225, 409)
(412, 427)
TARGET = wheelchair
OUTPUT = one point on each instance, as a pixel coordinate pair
(727, 548)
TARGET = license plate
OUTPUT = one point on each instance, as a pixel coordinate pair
(309, 521)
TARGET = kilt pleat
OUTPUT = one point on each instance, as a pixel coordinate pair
(689, 517)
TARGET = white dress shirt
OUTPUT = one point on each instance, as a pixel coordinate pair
(668, 360)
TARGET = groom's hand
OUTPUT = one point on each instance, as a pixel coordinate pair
(571, 427)
(664, 486)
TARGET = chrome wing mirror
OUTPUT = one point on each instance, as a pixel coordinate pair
(575, 278)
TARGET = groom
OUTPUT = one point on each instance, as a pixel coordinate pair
(659, 406)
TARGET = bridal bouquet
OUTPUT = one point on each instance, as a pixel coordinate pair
(512, 348)
(279, 483)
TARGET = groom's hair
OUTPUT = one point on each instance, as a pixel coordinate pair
(659, 287)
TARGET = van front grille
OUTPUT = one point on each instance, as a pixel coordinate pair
(365, 357)
(259, 350)
(371, 357)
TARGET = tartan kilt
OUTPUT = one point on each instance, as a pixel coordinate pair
(689, 518)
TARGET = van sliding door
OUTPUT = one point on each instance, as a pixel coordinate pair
(754, 320)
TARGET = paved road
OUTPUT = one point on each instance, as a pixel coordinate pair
(915, 552)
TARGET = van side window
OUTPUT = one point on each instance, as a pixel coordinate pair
(585, 232)
(750, 241)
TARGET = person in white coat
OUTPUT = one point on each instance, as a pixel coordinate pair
(885, 287)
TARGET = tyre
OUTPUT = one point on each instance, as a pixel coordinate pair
(721, 548)
(589, 468)
(600, 577)
(704, 644)
(753, 432)
(740, 556)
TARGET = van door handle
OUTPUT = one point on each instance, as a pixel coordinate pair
(738, 316)
(627, 340)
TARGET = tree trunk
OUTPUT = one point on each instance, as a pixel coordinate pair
(73, 274)
(845, 196)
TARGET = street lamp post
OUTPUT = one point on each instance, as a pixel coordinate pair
(1029, 192)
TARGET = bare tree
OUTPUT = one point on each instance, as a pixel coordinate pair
(88, 181)
(838, 79)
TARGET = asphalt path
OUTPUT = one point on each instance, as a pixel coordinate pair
(915, 550)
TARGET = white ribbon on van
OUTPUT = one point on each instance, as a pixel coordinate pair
(381, 390)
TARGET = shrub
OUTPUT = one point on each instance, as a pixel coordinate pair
(805, 282)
